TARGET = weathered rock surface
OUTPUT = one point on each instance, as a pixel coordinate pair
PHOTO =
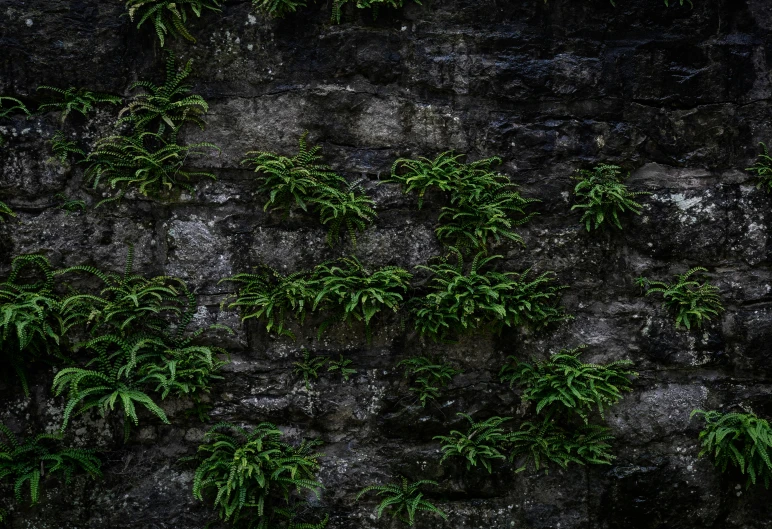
(679, 96)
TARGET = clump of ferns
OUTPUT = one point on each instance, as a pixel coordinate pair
(602, 196)
(139, 352)
(72, 99)
(462, 302)
(375, 5)
(484, 206)
(429, 377)
(29, 463)
(168, 105)
(34, 320)
(691, 301)
(278, 8)
(310, 366)
(256, 479)
(345, 290)
(146, 161)
(763, 169)
(404, 499)
(563, 384)
(302, 182)
(63, 148)
(739, 441)
(169, 17)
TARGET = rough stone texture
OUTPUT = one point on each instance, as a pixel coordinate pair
(679, 96)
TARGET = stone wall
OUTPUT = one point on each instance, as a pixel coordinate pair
(679, 96)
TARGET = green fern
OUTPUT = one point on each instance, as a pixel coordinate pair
(5, 210)
(146, 161)
(70, 205)
(738, 440)
(763, 169)
(442, 173)
(76, 100)
(168, 105)
(30, 462)
(375, 5)
(403, 499)
(460, 303)
(273, 297)
(349, 208)
(309, 367)
(341, 366)
(691, 301)
(63, 148)
(603, 197)
(278, 8)
(429, 376)
(352, 292)
(169, 16)
(564, 382)
(251, 474)
(482, 444)
(9, 105)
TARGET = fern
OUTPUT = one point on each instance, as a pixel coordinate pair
(481, 444)
(76, 100)
(341, 366)
(441, 173)
(63, 148)
(251, 474)
(5, 210)
(603, 197)
(739, 440)
(337, 6)
(145, 161)
(170, 104)
(278, 8)
(429, 376)
(352, 292)
(763, 169)
(309, 367)
(273, 297)
(461, 302)
(350, 208)
(169, 16)
(28, 463)
(403, 499)
(691, 301)
(564, 382)
(70, 205)
(9, 105)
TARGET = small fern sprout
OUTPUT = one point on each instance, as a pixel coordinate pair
(404, 500)
(76, 100)
(29, 463)
(168, 105)
(564, 382)
(10, 105)
(63, 148)
(429, 376)
(763, 169)
(255, 476)
(277, 8)
(341, 366)
(738, 440)
(602, 196)
(692, 302)
(309, 367)
(5, 210)
(169, 16)
(70, 205)
(481, 444)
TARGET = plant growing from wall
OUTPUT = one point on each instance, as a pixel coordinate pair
(350, 209)
(763, 169)
(341, 366)
(10, 105)
(404, 500)
(482, 444)
(274, 297)
(26, 464)
(309, 367)
(429, 376)
(254, 476)
(168, 105)
(738, 440)
(602, 196)
(70, 205)
(277, 8)
(169, 17)
(460, 302)
(74, 99)
(692, 302)
(442, 173)
(563, 382)
(5, 210)
(62, 148)
(146, 161)
(351, 292)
